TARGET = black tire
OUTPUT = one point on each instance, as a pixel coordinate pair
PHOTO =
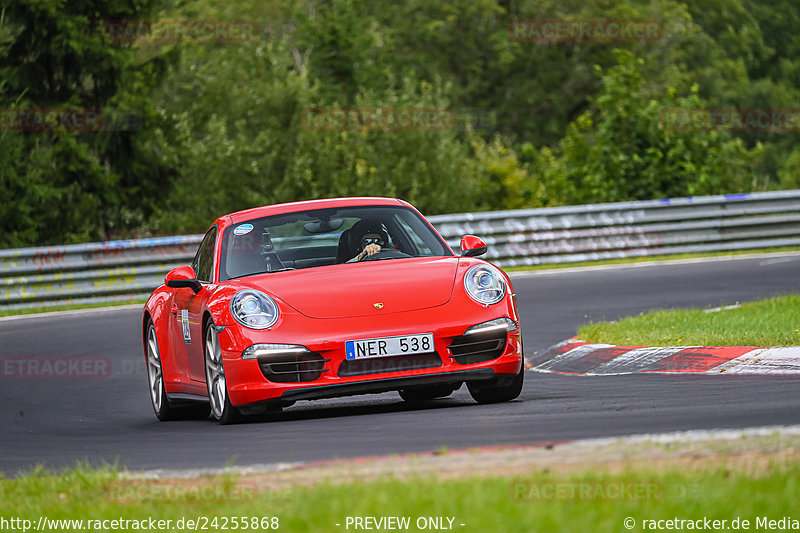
(424, 394)
(216, 384)
(497, 390)
(164, 409)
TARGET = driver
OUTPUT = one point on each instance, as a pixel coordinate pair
(371, 239)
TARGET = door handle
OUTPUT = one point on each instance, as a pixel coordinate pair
(174, 309)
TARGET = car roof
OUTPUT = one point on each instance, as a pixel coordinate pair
(291, 207)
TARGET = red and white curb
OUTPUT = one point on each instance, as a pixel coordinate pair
(579, 357)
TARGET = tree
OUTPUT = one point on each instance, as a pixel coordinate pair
(638, 146)
(81, 178)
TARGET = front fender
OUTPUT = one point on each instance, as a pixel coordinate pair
(157, 309)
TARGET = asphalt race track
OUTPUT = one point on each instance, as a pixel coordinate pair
(107, 417)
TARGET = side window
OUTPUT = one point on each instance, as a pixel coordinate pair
(203, 263)
(419, 244)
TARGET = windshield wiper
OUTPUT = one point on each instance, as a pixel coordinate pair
(262, 272)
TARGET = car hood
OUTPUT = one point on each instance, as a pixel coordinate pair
(359, 289)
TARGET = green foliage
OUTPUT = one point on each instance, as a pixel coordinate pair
(260, 147)
(221, 124)
(789, 174)
(635, 146)
(429, 168)
(67, 184)
(505, 182)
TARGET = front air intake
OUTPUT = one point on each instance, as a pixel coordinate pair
(384, 365)
(292, 367)
(478, 347)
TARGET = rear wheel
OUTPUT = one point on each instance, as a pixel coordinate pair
(497, 390)
(423, 394)
(158, 395)
(221, 407)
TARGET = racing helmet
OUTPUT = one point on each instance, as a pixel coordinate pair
(365, 227)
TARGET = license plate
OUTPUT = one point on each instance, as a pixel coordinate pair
(389, 346)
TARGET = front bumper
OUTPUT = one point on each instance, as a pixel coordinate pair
(376, 385)
(249, 382)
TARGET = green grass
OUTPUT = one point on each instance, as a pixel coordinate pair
(650, 258)
(771, 322)
(519, 504)
(70, 307)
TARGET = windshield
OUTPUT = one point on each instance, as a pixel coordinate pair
(325, 237)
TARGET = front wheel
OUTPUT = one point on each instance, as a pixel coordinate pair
(217, 386)
(491, 392)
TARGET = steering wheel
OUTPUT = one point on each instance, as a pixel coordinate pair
(385, 253)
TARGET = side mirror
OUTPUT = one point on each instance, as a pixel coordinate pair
(472, 246)
(183, 277)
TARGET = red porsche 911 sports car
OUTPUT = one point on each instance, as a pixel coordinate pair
(328, 298)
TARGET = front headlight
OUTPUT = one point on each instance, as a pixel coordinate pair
(254, 309)
(258, 350)
(485, 284)
(498, 324)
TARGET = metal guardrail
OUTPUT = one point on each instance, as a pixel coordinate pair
(131, 269)
(632, 229)
(92, 272)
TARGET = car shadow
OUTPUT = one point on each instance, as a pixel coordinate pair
(343, 407)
